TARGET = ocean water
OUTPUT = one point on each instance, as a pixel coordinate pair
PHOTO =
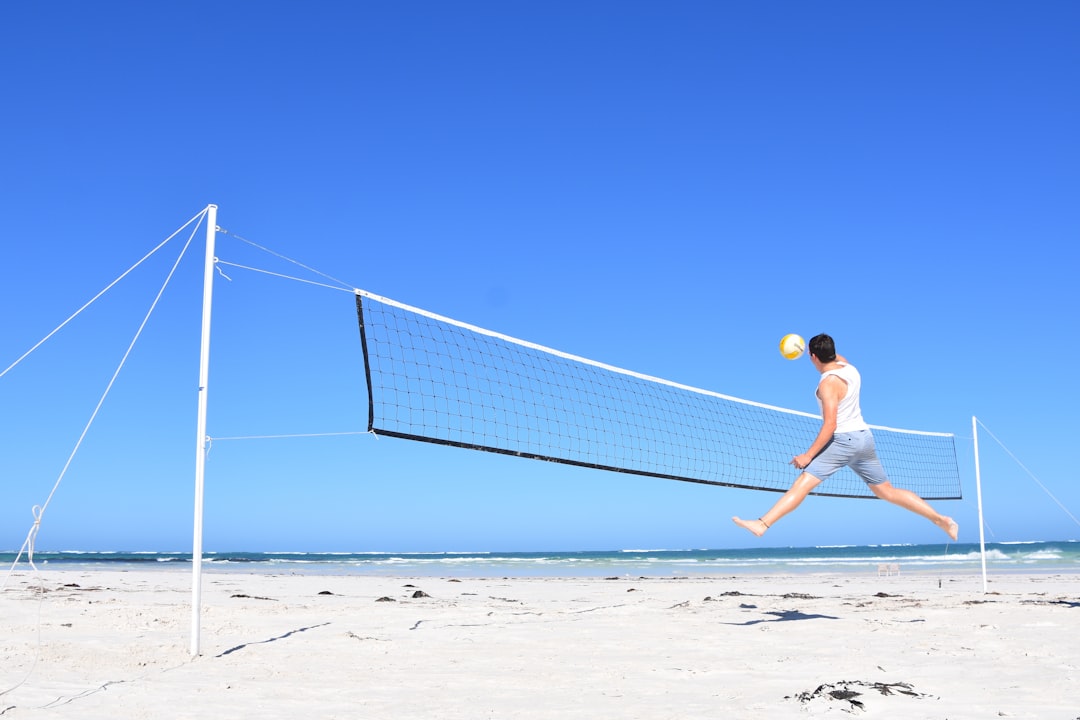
(1028, 557)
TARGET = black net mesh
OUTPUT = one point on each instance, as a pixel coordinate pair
(435, 380)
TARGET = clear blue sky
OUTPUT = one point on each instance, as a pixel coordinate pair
(665, 187)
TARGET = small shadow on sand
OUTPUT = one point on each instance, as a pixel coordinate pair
(784, 616)
(270, 640)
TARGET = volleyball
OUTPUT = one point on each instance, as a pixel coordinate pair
(792, 346)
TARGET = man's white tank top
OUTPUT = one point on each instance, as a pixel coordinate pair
(848, 413)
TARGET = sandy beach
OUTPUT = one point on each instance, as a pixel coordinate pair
(113, 644)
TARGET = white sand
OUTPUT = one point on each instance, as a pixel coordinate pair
(116, 646)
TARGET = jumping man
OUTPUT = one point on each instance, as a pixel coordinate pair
(844, 440)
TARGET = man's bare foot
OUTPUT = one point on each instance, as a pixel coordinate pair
(758, 527)
(949, 526)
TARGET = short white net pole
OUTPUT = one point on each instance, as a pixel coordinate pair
(200, 449)
(978, 496)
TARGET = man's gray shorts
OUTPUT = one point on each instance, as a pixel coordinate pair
(855, 450)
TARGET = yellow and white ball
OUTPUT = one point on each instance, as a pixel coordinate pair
(792, 346)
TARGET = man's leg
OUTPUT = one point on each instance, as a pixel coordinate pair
(787, 502)
(910, 501)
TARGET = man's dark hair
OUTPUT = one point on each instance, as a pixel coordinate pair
(823, 348)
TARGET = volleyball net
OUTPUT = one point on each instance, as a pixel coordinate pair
(438, 380)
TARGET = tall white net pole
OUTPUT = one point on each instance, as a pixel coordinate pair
(978, 495)
(200, 450)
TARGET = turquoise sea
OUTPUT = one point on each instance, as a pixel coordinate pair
(1029, 557)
